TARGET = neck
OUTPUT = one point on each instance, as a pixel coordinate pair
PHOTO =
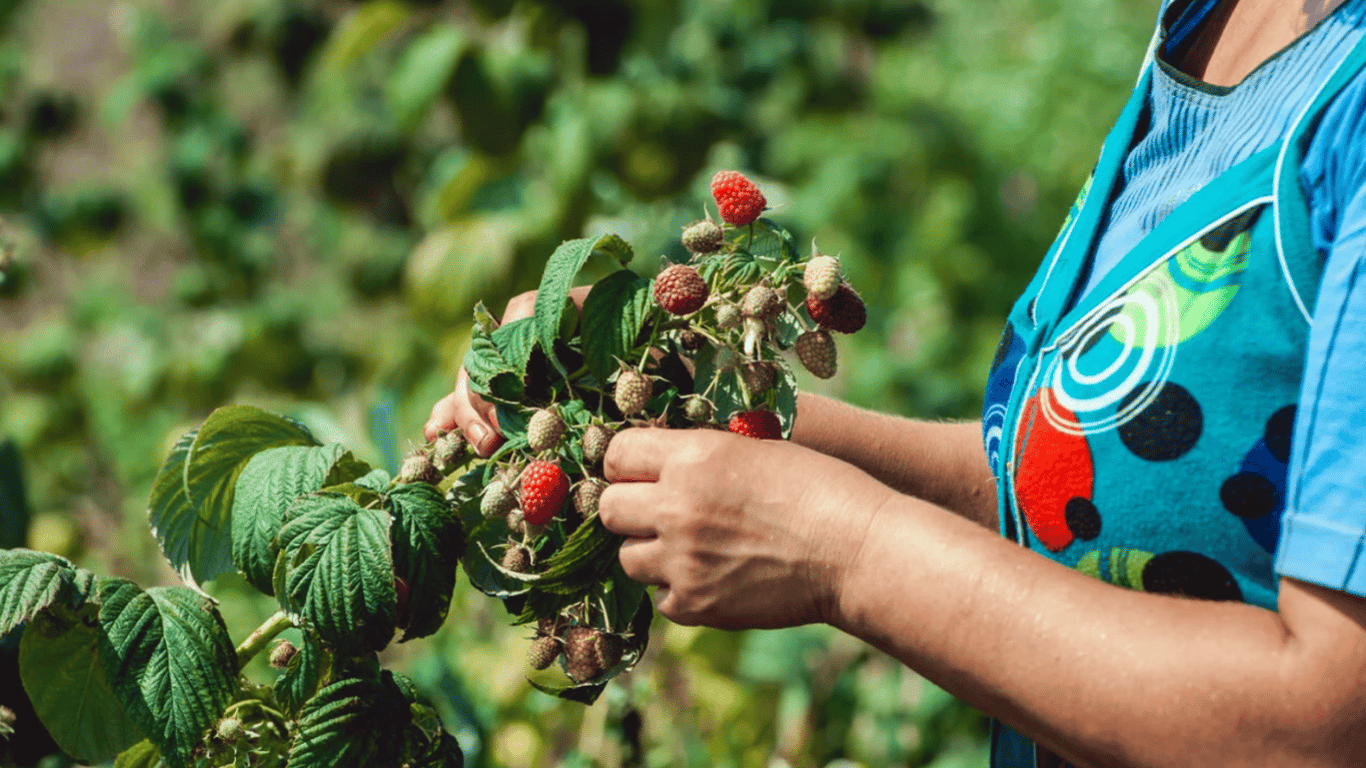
(1241, 34)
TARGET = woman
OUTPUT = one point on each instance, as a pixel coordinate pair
(1173, 410)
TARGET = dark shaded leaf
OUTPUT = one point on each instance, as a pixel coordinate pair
(170, 660)
(613, 314)
(428, 541)
(299, 681)
(334, 576)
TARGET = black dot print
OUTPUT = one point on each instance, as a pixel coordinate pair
(1279, 428)
(1249, 495)
(1003, 348)
(1190, 574)
(1083, 519)
(1219, 238)
(1167, 428)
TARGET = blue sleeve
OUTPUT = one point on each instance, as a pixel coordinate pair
(1323, 530)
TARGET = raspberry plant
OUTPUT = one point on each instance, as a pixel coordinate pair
(357, 559)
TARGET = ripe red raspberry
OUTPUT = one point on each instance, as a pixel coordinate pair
(680, 290)
(762, 425)
(816, 350)
(544, 489)
(738, 199)
(843, 312)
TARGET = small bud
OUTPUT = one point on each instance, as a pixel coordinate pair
(516, 523)
(230, 729)
(691, 341)
(698, 409)
(282, 653)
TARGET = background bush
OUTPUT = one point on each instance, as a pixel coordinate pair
(296, 205)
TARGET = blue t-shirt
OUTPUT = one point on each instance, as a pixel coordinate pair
(1194, 132)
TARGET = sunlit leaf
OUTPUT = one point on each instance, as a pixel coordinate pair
(31, 581)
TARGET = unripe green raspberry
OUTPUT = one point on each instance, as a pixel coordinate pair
(816, 351)
(516, 523)
(282, 653)
(702, 236)
(581, 653)
(761, 302)
(632, 392)
(758, 376)
(586, 496)
(543, 652)
(517, 559)
(418, 468)
(822, 276)
(498, 499)
(595, 441)
(728, 316)
(698, 409)
(544, 430)
(448, 450)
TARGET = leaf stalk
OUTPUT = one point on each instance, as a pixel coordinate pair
(257, 641)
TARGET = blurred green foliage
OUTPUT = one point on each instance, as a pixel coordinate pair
(296, 204)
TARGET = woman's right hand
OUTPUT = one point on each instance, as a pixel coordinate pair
(465, 410)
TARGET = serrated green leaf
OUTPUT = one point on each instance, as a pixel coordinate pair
(785, 400)
(31, 581)
(515, 342)
(61, 669)
(787, 244)
(560, 270)
(428, 541)
(490, 374)
(348, 469)
(299, 681)
(170, 660)
(586, 557)
(143, 754)
(613, 314)
(357, 722)
(613, 247)
(190, 508)
(267, 486)
(337, 573)
(421, 71)
(376, 480)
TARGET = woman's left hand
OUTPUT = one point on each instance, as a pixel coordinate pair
(736, 532)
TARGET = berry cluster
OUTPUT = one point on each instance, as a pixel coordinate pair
(702, 347)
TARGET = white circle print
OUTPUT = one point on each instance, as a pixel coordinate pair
(1145, 323)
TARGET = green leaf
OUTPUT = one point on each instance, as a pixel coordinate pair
(376, 480)
(267, 486)
(613, 314)
(301, 677)
(143, 754)
(785, 400)
(613, 247)
(362, 31)
(335, 574)
(61, 669)
(428, 541)
(191, 503)
(787, 244)
(353, 723)
(421, 72)
(170, 660)
(585, 558)
(516, 341)
(31, 581)
(492, 375)
(560, 270)
(478, 561)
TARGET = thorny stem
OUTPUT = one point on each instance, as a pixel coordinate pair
(263, 635)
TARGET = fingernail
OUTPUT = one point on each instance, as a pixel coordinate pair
(479, 435)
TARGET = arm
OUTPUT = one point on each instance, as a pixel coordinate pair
(1104, 676)
(941, 462)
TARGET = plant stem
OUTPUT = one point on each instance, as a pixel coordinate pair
(263, 634)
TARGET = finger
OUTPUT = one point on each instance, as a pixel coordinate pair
(628, 509)
(642, 559)
(471, 414)
(636, 455)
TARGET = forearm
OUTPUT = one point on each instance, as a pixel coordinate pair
(941, 462)
(1105, 676)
